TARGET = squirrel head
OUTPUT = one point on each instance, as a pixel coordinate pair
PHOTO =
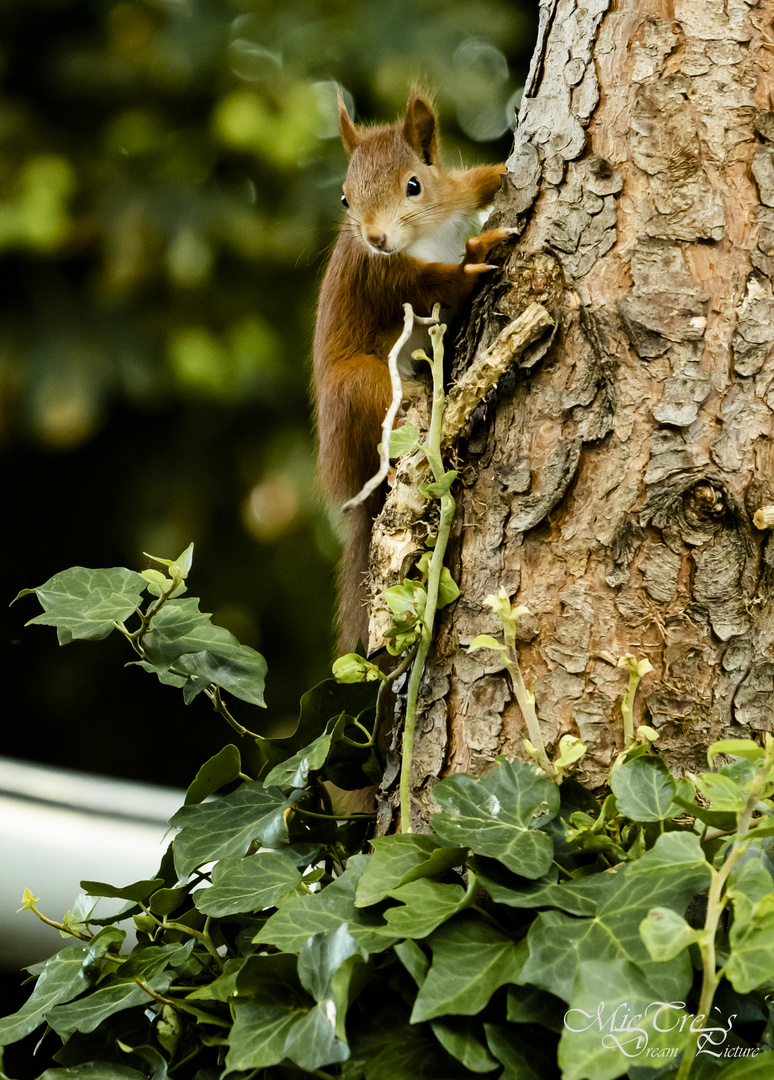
(396, 191)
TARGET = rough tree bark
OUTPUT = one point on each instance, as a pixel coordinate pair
(610, 484)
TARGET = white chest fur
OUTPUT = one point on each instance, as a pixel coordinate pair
(447, 243)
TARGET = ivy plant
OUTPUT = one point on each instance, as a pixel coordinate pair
(533, 933)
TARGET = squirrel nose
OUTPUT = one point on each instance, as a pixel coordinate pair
(377, 240)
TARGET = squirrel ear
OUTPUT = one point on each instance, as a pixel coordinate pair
(419, 128)
(349, 135)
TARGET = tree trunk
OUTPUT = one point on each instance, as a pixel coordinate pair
(610, 485)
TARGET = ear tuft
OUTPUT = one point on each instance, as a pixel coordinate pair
(349, 135)
(419, 127)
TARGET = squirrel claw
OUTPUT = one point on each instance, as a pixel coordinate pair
(478, 268)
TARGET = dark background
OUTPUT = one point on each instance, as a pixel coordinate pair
(170, 178)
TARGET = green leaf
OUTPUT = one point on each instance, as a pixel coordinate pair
(613, 1022)
(320, 960)
(751, 1068)
(294, 771)
(407, 601)
(147, 961)
(111, 995)
(425, 905)
(139, 890)
(643, 787)
(312, 1042)
(500, 815)
(222, 769)
(263, 1019)
(247, 884)
(723, 792)
(300, 917)
(471, 959)
(390, 1048)
(227, 826)
(401, 858)
(666, 933)
(403, 439)
(448, 590)
(224, 987)
(353, 668)
(65, 975)
(319, 705)
(580, 896)
(414, 960)
(751, 938)
(668, 875)
(486, 641)
(522, 1060)
(183, 637)
(744, 748)
(94, 1070)
(463, 1039)
(437, 489)
(86, 604)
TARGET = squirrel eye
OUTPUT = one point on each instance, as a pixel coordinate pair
(344, 201)
(413, 187)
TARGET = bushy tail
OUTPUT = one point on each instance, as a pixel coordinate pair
(353, 614)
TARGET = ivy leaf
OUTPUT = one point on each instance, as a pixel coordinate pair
(227, 826)
(94, 1070)
(300, 917)
(611, 1022)
(403, 439)
(425, 905)
(183, 637)
(326, 700)
(669, 875)
(222, 769)
(471, 959)
(437, 489)
(149, 960)
(521, 1060)
(751, 938)
(110, 996)
(643, 787)
(353, 668)
(270, 1002)
(86, 604)
(666, 933)
(500, 815)
(401, 858)
(387, 1047)
(65, 975)
(448, 590)
(294, 771)
(579, 897)
(744, 748)
(321, 959)
(313, 1043)
(137, 891)
(247, 884)
(463, 1040)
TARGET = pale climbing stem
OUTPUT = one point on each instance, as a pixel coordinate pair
(432, 450)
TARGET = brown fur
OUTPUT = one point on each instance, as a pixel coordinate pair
(360, 311)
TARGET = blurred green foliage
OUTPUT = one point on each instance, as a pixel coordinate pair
(170, 174)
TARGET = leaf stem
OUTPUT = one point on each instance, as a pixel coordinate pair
(432, 449)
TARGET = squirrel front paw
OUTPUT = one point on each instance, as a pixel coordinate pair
(478, 247)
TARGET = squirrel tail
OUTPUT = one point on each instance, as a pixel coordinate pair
(353, 614)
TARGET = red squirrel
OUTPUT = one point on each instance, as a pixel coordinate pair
(406, 223)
